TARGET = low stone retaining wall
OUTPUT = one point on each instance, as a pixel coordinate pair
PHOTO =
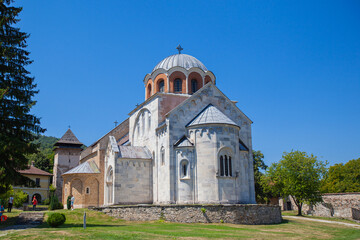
(341, 205)
(238, 214)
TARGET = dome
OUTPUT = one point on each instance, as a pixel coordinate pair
(180, 60)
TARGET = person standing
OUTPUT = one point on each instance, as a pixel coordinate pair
(10, 203)
(34, 202)
(72, 202)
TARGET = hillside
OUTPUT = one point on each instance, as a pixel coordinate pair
(44, 159)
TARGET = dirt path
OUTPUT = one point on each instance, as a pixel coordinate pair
(26, 220)
(324, 221)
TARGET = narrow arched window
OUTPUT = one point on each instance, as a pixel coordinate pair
(226, 166)
(178, 85)
(161, 86)
(221, 166)
(194, 85)
(162, 152)
(230, 167)
(142, 124)
(149, 91)
(149, 121)
(184, 169)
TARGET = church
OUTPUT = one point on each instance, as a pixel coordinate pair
(187, 143)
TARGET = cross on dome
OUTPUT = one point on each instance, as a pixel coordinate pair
(179, 48)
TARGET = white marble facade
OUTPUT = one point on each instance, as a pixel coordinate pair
(198, 152)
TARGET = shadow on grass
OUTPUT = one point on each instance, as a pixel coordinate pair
(8, 223)
(284, 221)
(78, 225)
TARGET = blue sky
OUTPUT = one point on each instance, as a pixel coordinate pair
(293, 66)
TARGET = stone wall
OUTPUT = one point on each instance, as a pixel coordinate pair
(237, 214)
(341, 205)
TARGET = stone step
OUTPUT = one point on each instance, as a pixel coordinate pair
(30, 218)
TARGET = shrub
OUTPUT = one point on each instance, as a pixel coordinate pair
(203, 210)
(54, 203)
(56, 219)
(19, 198)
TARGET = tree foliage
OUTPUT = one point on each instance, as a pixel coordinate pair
(19, 197)
(18, 127)
(342, 178)
(297, 175)
(261, 195)
(44, 159)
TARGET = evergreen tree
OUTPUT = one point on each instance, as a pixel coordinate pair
(18, 127)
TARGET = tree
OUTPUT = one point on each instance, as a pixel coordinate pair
(259, 164)
(298, 175)
(343, 178)
(18, 128)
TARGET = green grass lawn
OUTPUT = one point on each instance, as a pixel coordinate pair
(101, 226)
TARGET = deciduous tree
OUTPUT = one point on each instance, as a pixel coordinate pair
(298, 175)
(343, 178)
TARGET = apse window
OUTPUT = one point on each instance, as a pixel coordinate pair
(225, 166)
(184, 169)
(178, 85)
(87, 190)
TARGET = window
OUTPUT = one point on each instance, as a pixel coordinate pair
(178, 85)
(161, 86)
(37, 182)
(87, 190)
(194, 85)
(162, 152)
(149, 91)
(225, 164)
(149, 121)
(142, 124)
(184, 169)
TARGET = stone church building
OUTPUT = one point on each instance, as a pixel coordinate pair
(186, 143)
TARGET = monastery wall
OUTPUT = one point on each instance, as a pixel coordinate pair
(341, 205)
(236, 214)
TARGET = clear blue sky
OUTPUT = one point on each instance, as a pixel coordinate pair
(293, 66)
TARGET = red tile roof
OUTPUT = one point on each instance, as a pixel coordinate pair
(34, 171)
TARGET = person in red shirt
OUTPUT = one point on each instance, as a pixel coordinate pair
(34, 202)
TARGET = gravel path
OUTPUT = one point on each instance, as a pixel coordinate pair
(324, 221)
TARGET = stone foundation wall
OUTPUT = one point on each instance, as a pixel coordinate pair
(237, 214)
(341, 205)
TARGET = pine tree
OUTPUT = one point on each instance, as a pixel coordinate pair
(18, 127)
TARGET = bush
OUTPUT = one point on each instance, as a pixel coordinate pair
(19, 198)
(56, 219)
